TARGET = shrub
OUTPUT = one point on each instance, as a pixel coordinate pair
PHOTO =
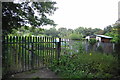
(92, 41)
(86, 66)
(80, 47)
(100, 49)
(75, 36)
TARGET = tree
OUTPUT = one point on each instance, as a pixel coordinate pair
(87, 31)
(98, 31)
(75, 36)
(113, 31)
(70, 31)
(15, 15)
(27, 31)
(52, 32)
(116, 29)
(62, 32)
(80, 30)
(107, 29)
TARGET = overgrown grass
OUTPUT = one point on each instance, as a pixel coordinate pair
(92, 65)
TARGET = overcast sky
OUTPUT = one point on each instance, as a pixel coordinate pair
(85, 13)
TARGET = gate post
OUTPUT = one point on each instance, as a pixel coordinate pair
(32, 52)
(59, 50)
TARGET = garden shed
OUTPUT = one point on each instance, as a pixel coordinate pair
(103, 38)
(100, 38)
(89, 37)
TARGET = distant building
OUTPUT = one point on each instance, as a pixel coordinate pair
(103, 38)
(89, 37)
(100, 38)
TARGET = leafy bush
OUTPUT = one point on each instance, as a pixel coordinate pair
(92, 41)
(100, 49)
(81, 49)
(86, 66)
(75, 36)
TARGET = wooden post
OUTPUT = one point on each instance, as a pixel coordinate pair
(25, 54)
(59, 49)
(22, 59)
(19, 56)
(32, 52)
(28, 56)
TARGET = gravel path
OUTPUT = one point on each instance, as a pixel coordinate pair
(41, 73)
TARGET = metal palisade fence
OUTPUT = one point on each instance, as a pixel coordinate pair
(27, 53)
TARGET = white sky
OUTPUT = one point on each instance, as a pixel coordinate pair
(85, 13)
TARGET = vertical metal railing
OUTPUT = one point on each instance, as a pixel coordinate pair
(27, 53)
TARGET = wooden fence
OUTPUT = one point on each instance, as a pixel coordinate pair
(77, 45)
(100, 47)
(27, 53)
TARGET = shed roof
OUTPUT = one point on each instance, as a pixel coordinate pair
(104, 36)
